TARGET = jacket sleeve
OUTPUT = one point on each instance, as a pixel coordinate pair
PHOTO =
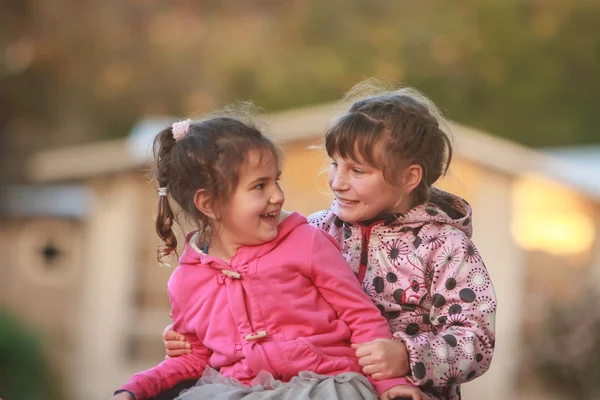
(456, 344)
(172, 371)
(337, 284)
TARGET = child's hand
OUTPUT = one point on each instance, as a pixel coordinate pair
(383, 358)
(404, 392)
(175, 344)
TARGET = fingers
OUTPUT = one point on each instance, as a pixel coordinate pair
(359, 345)
(375, 347)
(172, 335)
(379, 376)
(391, 395)
(374, 368)
(369, 370)
(377, 372)
(417, 395)
(402, 392)
(363, 350)
(176, 345)
(177, 353)
(388, 395)
(365, 360)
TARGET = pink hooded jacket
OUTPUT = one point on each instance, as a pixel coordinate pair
(426, 276)
(287, 306)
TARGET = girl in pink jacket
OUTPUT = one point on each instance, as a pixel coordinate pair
(408, 243)
(262, 297)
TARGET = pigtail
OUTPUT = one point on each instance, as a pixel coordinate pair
(164, 229)
(163, 146)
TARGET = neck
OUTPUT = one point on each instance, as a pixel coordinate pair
(402, 206)
(223, 249)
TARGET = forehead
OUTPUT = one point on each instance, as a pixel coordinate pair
(358, 137)
(361, 154)
(258, 163)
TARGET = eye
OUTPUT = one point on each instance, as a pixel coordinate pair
(358, 171)
(334, 164)
(260, 186)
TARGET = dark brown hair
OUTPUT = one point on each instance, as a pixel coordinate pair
(209, 157)
(408, 124)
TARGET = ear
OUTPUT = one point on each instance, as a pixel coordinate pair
(413, 175)
(203, 203)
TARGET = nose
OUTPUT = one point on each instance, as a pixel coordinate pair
(337, 181)
(277, 197)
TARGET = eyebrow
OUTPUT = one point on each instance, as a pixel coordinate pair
(263, 179)
(355, 163)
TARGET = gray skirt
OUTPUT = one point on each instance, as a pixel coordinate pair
(307, 385)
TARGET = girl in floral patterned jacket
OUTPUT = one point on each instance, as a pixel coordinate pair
(408, 243)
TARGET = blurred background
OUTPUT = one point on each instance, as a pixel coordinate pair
(85, 85)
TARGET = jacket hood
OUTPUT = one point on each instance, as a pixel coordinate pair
(442, 207)
(194, 253)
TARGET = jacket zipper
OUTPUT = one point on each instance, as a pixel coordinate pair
(365, 231)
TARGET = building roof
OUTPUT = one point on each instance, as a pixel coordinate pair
(133, 152)
(45, 200)
(585, 162)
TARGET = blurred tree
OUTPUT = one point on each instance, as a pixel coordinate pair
(24, 371)
(73, 72)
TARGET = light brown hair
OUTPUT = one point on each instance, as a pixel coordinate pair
(406, 121)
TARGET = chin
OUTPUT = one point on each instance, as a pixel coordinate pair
(347, 216)
(272, 236)
(350, 215)
(353, 216)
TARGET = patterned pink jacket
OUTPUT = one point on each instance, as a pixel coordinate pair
(425, 275)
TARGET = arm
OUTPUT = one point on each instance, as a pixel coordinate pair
(337, 284)
(170, 372)
(458, 343)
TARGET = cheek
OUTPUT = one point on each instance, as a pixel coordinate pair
(244, 209)
(366, 188)
(373, 190)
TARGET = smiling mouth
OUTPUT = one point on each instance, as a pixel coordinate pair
(270, 216)
(346, 201)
